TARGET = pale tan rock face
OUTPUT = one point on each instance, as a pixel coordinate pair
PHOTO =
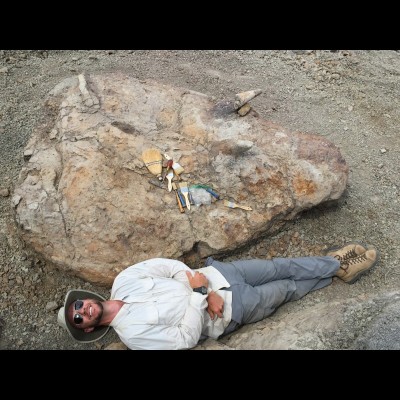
(84, 201)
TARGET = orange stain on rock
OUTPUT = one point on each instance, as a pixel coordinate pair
(78, 184)
(303, 187)
(193, 131)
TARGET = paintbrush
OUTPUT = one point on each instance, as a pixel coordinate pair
(206, 188)
(231, 204)
(178, 169)
(181, 209)
(185, 192)
(181, 198)
(152, 158)
(169, 177)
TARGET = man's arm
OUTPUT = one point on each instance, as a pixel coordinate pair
(175, 269)
(158, 267)
(185, 335)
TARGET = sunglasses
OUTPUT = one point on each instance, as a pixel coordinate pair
(78, 319)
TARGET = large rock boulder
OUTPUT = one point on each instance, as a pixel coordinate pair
(86, 202)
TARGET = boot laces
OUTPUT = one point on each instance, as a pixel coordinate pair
(351, 261)
(350, 254)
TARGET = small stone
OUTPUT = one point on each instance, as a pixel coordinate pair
(51, 306)
(383, 151)
(16, 199)
(4, 192)
(28, 154)
(244, 110)
(53, 133)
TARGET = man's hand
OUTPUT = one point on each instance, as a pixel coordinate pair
(215, 305)
(197, 279)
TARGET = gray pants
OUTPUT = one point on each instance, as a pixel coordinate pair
(259, 286)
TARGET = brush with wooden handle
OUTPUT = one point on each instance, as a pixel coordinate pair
(206, 188)
(185, 191)
(231, 204)
(152, 158)
(181, 198)
(181, 209)
(178, 169)
(169, 177)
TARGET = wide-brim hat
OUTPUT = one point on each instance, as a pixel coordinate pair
(79, 334)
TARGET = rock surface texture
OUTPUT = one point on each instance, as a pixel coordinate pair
(84, 200)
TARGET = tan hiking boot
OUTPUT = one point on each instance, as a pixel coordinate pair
(348, 250)
(351, 269)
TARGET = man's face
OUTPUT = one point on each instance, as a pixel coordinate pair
(83, 314)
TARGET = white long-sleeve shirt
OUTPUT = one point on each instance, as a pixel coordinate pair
(162, 312)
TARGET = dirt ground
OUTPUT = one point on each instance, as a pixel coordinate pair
(349, 96)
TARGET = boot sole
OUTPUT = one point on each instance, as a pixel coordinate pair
(361, 273)
(334, 248)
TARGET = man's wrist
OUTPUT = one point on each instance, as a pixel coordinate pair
(201, 289)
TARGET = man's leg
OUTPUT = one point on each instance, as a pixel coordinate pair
(259, 286)
(258, 271)
(273, 294)
(251, 304)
